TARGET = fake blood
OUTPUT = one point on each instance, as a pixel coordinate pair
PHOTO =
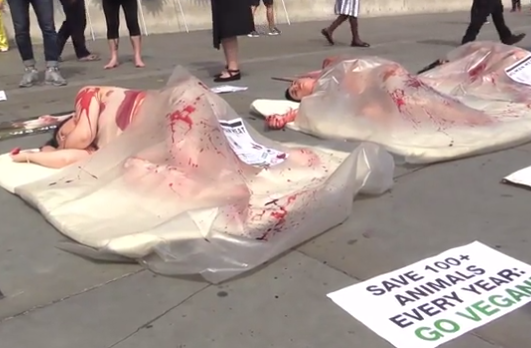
(128, 108)
(15, 151)
(84, 99)
(398, 97)
(182, 116)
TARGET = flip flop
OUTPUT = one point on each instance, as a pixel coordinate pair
(90, 58)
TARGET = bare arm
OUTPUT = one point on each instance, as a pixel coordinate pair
(86, 119)
(52, 159)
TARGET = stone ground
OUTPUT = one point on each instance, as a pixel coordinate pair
(56, 300)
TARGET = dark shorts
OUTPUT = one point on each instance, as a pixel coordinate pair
(256, 3)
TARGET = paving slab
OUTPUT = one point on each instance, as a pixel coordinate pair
(282, 305)
(101, 317)
(60, 300)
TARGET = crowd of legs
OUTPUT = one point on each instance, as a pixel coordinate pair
(230, 19)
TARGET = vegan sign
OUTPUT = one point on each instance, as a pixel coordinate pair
(438, 299)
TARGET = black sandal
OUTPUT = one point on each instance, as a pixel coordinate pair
(234, 75)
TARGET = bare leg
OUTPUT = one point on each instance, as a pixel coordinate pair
(230, 50)
(329, 32)
(136, 42)
(270, 14)
(356, 41)
(113, 47)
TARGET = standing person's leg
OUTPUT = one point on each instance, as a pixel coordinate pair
(270, 15)
(19, 10)
(111, 10)
(351, 8)
(499, 22)
(254, 6)
(44, 12)
(64, 32)
(4, 44)
(329, 32)
(230, 51)
(78, 26)
(130, 8)
(478, 15)
(513, 5)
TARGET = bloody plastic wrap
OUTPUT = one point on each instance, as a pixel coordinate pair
(192, 189)
(465, 107)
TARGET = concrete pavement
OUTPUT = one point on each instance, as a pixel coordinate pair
(57, 300)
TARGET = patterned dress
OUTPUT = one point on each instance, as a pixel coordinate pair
(347, 7)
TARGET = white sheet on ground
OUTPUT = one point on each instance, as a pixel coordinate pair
(465, 107)
(13, 175)
(172, 193)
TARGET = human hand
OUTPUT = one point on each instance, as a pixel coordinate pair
(20, 157)
(279, 121)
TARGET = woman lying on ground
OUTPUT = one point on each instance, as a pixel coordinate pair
(101, 114)
(381, 91)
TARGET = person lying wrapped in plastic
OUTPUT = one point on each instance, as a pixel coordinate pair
(465, 105)
(185, 186)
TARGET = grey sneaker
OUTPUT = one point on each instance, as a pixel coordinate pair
(53, 77)
(30, 77)
(274, 32)
(253, 33)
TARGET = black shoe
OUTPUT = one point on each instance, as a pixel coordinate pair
(514, 39)
(234, 75)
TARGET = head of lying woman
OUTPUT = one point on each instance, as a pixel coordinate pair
(300, 88)
(61, 132)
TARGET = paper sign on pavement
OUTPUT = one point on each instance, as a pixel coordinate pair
(438, 299)
(246, 148)
(521, 177)
(520, 71)
(3, 95)
(227, 89)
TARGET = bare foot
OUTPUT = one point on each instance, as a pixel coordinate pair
(139, 63)
(113, 63)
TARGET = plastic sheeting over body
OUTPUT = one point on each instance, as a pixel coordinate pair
(172, 193)
(465, 107)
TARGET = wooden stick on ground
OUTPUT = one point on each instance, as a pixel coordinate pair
(284, 79)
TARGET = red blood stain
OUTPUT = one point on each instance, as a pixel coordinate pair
(183, 116)
(129, 107)
(84, 99)
(413, 82)
(15, 151)
(398, 97)
(477, 70)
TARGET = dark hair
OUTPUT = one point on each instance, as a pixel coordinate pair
(53, 141)
(431, 66)
(289, 97)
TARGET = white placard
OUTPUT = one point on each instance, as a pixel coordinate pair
(227, 89)
(520, 177)
(520, 71)
(438, 299)
(3, 95)
(246, 148)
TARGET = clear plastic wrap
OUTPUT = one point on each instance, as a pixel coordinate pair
(172, 193)
(465, 107)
